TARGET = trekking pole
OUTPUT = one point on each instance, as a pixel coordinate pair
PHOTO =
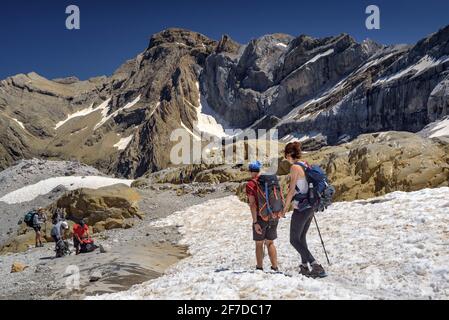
(321, 238)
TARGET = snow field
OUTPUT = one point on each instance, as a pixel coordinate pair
(43, 187)
(390, 247)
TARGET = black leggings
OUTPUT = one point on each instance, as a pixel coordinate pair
(298, 231)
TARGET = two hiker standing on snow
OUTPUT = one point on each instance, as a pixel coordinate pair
(309, 192)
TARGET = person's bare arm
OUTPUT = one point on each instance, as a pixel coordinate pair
(296, 172)
(253, 207)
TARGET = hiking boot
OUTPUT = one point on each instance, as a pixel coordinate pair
(317, 271)
(304, 270)
(259, 268)
(275, 269)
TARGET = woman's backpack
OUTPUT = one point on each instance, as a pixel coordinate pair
(321, 194)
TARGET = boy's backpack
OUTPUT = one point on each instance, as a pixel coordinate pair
(29, 217)
(320, 196)
(269, 197)
(87, 245)
(62, 249)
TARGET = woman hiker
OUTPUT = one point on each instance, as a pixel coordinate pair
(303, 213)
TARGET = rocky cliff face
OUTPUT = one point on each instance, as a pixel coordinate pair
(334, 88)
(322, 91)
(120, 124)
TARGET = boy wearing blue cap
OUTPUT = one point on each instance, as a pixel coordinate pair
(263, 232)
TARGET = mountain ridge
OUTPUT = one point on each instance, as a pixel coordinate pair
(329, 89)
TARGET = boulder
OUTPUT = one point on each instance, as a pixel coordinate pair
(140, 184)
(223, 174)
(115, 202)
(104, 248)
(95, 276)
(112, 223)
(18, 267)
(99, 227)
(19, 243)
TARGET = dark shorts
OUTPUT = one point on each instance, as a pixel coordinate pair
(76, 243)
(37, 228)
(269, 231)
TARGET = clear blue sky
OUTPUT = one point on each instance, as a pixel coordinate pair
(33, 36)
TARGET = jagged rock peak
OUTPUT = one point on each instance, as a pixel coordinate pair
(226, 44)
(181, 37)
(370, 46)
(436, 44)
(67, 80)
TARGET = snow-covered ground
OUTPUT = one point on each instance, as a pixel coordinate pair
(438, 128)
(31, 192)
(391, 247)
(441, 128)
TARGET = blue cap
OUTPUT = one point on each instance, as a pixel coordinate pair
(255, 166)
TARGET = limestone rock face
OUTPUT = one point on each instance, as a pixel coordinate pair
(20, 243)
(397, 88)
(110, 205)
(333, 88)
(120, 124)
(375, 164)
(275, 72)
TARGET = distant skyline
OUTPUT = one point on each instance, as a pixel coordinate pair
(33, 36)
